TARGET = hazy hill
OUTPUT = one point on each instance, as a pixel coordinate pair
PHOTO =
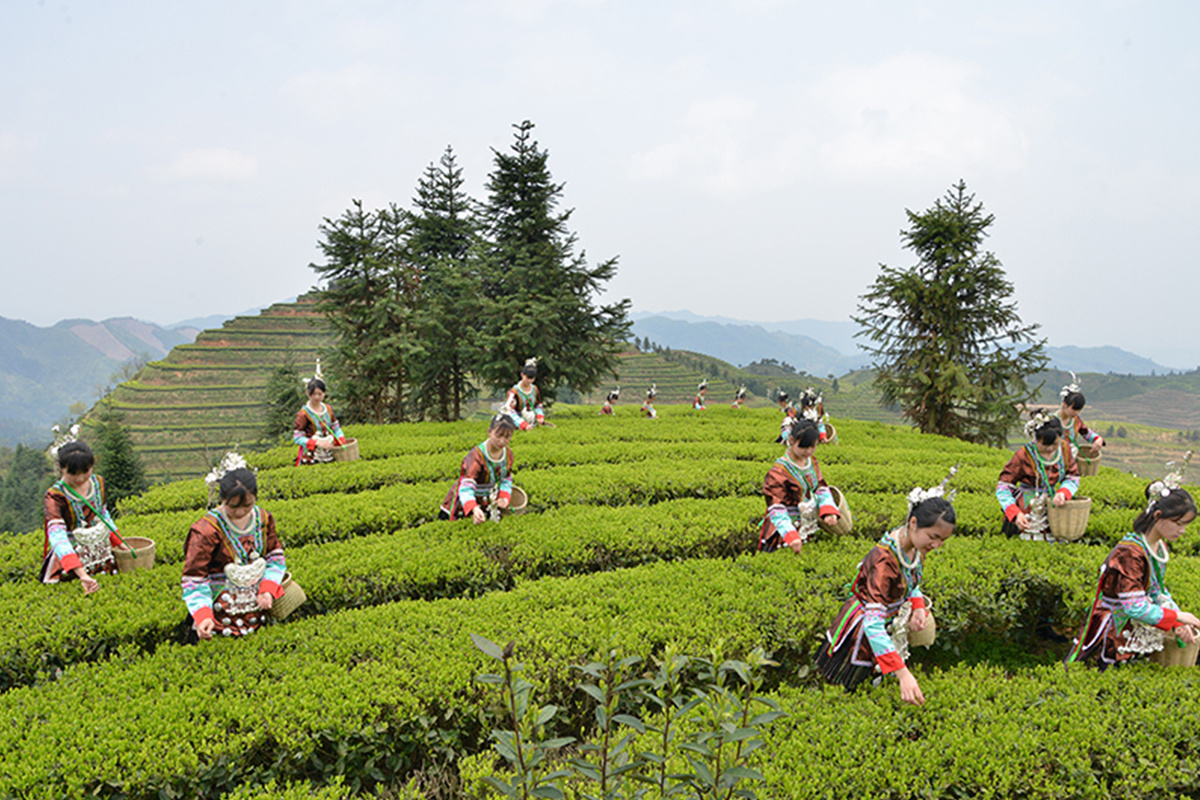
(44, 370)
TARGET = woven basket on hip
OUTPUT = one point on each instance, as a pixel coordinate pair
(1088, 465)
(347, 451)
(517, 503)
(293, 597)
(1068, 522)
(830, 434)
(845, 522)
(141, 556)
(925, 636)
(1172, 655)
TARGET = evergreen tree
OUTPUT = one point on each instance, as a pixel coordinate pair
(443, 242)
(370, 300)
(285, 396)
(539, 292)
(21, 507)
(946, 337)
(116, 458)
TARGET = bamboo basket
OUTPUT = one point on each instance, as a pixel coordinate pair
(845, 522)
(831, 436)
(140, 557)
(1172, 655)
(926, 636)
(518, 503)
(1068, 522)
(347, 451)
(1088, 465)
(293, 597)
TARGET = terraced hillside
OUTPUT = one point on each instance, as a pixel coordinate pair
(640, 538)
(203, 398)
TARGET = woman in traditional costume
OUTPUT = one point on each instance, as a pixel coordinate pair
(524, 400)
(648, 406)
(613, 396)
(233, 565)
(701, 390)
(796, 493)
(1076, 430)
(790, 413)
(485, 479)
(316, 429)
(812, 406)
(888, 587)
(80, 533)
(1133, 608)
(1041, 471)
(740, 398)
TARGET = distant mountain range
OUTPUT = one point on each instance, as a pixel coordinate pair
(45, 370)
(820, 347)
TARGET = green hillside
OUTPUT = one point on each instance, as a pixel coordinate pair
(205, 397)
(641, 535)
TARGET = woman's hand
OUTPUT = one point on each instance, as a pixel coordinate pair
(502, 502)
(1187, 633)
(830, 519)
(1184, 618)
(479, 515)
(325, 442)
(205, 628)
(1021, 521)
(910, 690)
(265, 601)
(86, 581)
(796, 544)
(918, 620)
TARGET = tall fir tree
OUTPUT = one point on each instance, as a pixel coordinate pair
(116, 458)
(370, 299)
(285, 396)
(443, 241)
(540, 294)
(21, 506)
(949, 347)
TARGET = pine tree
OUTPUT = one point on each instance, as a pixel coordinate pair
(443, 242)
(285, 396)
(948, 344)
(21, 498)
(116, 458)
(370, 300)
(539, 292)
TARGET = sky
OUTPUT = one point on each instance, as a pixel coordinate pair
(746, 158)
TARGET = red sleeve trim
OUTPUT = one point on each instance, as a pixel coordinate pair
(311, 444)
(1170, 619)
(1065, 491)
(790, 537)
(203, 614)
(270, 587)
(469, 506)
(71, 562)
(1011, 512)
(917, 602)
(890, 662)
(827, 510)
(504, 496)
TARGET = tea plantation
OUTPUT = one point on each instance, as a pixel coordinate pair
(641, 535)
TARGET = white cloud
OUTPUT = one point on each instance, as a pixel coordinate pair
(212, 165)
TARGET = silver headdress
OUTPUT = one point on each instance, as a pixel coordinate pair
(231, 461)
(652, 391)
(317, 376)
(61, 439)
(741, 392)
(918, 495)
(1036, 421)
(703, 385)
(1172, 480)
(1073, 386)
(531, 362)
(614, 395)
(781, 396)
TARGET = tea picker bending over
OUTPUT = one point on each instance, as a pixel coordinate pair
(317, 430)
(740, 398)
(1076, 430)
(796, 493)
(858, 644)
(1041, 471)
(1133, 608)
(701, 390)
(233, 562)
(648, 410)
(524, 400)
(790, 414)
(485, 478)
(613, 396)
(80, 533)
